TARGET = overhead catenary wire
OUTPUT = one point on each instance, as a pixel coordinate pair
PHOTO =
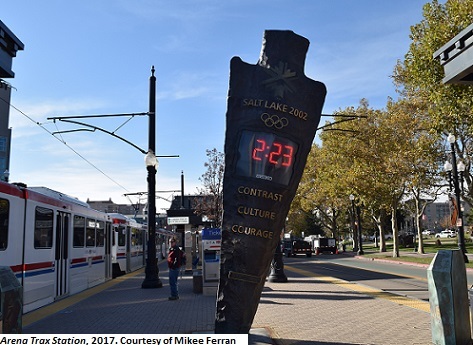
(68, 146)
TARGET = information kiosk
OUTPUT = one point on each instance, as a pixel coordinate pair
(211, 242)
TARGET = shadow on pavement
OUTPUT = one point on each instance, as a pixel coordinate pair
(338, 271)
(321, 296)
(312, 342)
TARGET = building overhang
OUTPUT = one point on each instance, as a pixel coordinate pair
(9, 45)
(456, 57)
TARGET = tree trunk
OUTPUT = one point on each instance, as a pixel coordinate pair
(382, 242)
(395, 231)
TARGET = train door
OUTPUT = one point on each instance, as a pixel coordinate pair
(108, 250)
(143, 246)
(128, 249)
(62, 253)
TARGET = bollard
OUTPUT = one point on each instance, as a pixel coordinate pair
(197, 282)
(448, 296)
(11, 302)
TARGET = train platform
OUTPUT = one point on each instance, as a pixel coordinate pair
(308, 309)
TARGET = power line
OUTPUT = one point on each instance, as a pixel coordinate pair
(67, 145)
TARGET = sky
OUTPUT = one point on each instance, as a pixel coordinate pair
(95, 57)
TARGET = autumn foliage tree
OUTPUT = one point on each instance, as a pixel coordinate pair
(418, 77)
(382, 157)
(392, 158)
(210, 204)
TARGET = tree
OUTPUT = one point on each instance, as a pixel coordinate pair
(316, 195)
(421, 155)
(301, 222)
(357, 152)
(210, 204)
(380, 156)
(419, 77)
(337, 168)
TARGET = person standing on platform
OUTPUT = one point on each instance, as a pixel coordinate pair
(175, 261)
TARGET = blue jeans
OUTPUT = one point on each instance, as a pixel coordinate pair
(173, 275)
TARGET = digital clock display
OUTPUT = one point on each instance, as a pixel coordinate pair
(266, 156)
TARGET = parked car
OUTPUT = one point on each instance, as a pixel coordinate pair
(388, 237)
(446, 234)
(325, 245)
(428, 232)
(291, 247)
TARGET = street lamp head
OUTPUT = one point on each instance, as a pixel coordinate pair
(447, 166)
(352, 197)
(6, 175)
(461, 166)
(151, 160)
(451, 138)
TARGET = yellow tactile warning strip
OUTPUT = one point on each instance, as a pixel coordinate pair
(59, 305)
(413, 303)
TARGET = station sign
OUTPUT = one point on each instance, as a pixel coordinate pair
(211, 234)
(178, 220)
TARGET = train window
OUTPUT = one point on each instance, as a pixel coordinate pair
(4, 214)
(135, 237)
(79, 232)
(121, 235)
(90, 233)
(138, 237)
(43, 228)
(100, 233)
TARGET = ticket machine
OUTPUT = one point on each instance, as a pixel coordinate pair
(211, 241)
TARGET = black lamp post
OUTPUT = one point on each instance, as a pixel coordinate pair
(452, 170)
(152, 270)
(358, 216)
(352, 199)
(277, 274)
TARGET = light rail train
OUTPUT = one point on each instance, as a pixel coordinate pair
(128, 237)
(57, 245)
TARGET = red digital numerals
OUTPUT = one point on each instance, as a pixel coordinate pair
(276, 153)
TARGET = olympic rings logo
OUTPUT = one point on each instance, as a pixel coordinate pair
(274, 121)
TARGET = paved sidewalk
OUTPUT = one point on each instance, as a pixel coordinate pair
(316, 310)
(305, 310)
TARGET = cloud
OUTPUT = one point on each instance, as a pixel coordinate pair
(186, 85)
